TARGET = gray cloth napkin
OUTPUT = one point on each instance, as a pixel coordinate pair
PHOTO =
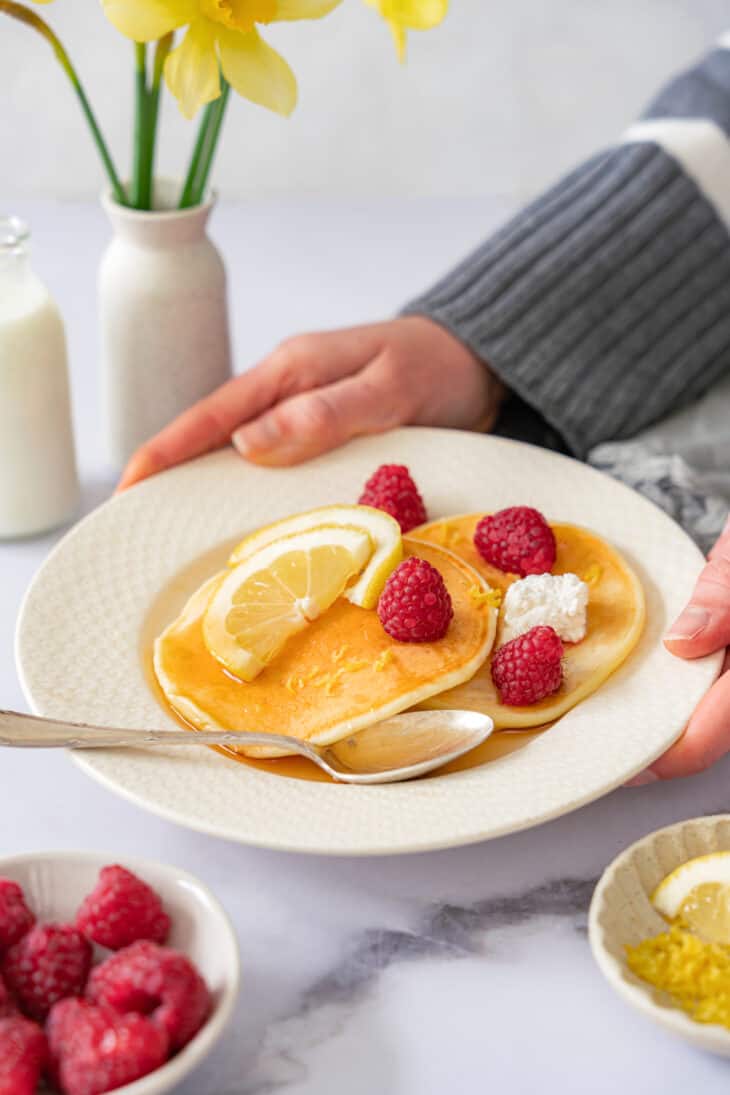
(682, 464)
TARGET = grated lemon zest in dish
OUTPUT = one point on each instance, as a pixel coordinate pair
(481, 597)
(339, 654)
(695, 974)
(593, 574)
(382, 660)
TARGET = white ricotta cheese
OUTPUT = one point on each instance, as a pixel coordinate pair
(556, 600)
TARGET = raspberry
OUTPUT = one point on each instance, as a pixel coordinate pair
(50, 962)
(7, 1004)
(415, 606)
(158, 982)
(528, 668)
(122, 909)
(517, 540)
(23, 1053)
(15, 917)
(391, 489)
(95, 1049)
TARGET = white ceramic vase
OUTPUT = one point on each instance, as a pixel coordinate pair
(164, 318)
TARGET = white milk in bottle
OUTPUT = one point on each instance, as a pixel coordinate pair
(38, 481)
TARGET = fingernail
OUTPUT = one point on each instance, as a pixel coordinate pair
(690, 624)
(647, 776)
(258, 436)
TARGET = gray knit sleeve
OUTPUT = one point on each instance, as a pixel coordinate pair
(606, 303)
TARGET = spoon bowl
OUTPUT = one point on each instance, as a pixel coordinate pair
(396, 749)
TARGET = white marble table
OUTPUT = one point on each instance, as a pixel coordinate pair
(462, 971)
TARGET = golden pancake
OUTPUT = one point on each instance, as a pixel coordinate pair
(342, 673)
(615, 621)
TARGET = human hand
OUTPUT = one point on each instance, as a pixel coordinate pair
(702, 628)
(317, 391)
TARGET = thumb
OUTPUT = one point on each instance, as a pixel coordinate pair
(704, 625)
(313, 423)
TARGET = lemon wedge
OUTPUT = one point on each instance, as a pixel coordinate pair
(698, 894)
(276, 591)
(383, 530)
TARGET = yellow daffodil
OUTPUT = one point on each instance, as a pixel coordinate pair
(220, 35)
(404, 15)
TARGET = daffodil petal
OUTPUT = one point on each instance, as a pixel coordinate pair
(399, 37)
(256, 71)
(303, 9)
(145, 20)
(415, 14)
(191, 70)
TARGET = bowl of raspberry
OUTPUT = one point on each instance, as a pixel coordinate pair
(112, 977)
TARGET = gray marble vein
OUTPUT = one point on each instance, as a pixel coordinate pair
(443, 931)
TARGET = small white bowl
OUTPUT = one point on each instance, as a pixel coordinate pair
(621, 913)
(55, 884)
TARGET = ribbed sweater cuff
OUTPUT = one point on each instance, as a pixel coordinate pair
(604, 304)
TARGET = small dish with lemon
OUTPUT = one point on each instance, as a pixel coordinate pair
(659, 929)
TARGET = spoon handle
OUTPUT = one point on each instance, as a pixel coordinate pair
(30, 732)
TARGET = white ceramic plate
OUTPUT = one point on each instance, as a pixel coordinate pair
(55, 884)
(78, 647)
(622, 913)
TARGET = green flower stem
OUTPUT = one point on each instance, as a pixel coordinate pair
(186, 198)
(211, 144)
(18, 11)
(161, 51)
(147, 115)
(205, 148)
(139, 188)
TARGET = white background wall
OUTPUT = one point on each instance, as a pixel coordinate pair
(500, 100)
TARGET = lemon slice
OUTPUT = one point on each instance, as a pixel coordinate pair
(276, 592)
(706, 912)
(698, 892)
(383, 530)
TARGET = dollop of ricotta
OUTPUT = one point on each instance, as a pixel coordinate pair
(559, 601)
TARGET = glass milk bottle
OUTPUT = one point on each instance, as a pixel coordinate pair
(38, 481)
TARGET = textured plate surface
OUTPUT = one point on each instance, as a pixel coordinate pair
(78, 646)
(621, 913)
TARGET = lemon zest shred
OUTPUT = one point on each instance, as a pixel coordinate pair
(382, 661)
(440, 534)
(340, 653)
(593, 574)
(481, 597)
(454, 536)
(334, 680)
(354, 666)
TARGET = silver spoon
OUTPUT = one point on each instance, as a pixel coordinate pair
(399, 748)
